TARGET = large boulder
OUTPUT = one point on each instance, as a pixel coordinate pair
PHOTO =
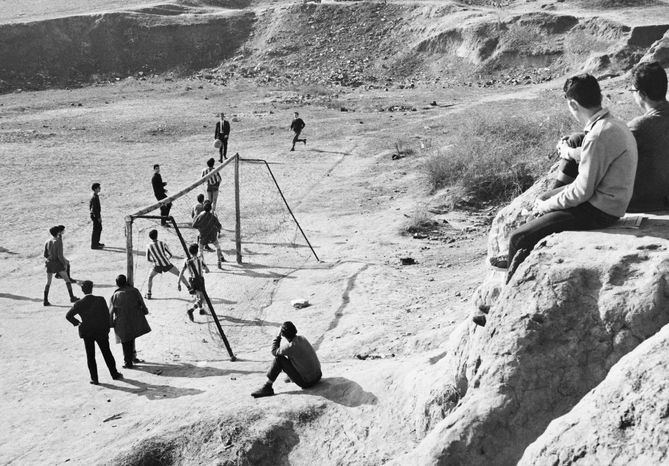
(659, 51)
(580, 302)
(625, 420)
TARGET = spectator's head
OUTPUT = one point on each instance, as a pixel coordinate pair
(222, 115)
(211, 162)
(95, 187)
(153, 234)
(156, 168)
(584, 90)
(54, 231)
(288, 330)
(87, 286)
(649, 80)
(207, 206)
(200, 198)
(296, 114)
(121, 281)
(193, 249)
(61, 229)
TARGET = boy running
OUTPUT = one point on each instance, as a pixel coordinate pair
(159, 255)
(297, 126)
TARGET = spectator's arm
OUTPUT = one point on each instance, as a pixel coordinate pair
(70, 315)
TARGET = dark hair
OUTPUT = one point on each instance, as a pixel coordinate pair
(156, 166)
(288, 330)
(61, 227)
(54, 231)
(651, 79)
(211, 162)
(121, 281)
(87, 286)
(193, 248)
(207, 206)
(153, 234)
(95, 186)
(200, 197)
(584, 89)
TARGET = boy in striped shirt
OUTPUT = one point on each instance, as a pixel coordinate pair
(159, 255)
(195, 266)
(213, 183)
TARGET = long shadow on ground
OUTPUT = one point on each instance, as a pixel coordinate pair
(339, 390)
(150, 391)
(188, 370)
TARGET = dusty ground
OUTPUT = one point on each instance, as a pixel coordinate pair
(369, 317)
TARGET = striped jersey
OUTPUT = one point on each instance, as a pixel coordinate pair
(158, 253)
(213, 180)
(194, 264)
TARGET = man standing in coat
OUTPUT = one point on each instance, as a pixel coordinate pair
(161, 193)
(94, 328)
(128, 318)
(96, 217)
(222, 133)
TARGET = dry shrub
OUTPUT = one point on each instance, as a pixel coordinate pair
(495, 157)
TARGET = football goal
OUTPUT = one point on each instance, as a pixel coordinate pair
(259, 229)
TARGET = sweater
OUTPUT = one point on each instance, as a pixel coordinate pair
(651, 186)
(302, 355)
(606, 170)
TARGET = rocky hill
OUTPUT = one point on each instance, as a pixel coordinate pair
(374, 44)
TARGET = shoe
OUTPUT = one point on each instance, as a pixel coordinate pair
(98, 246)
(147, 295)
(220, 265)
(73, 299)
(479, 320)
(117, 376)
(305, 142)
(47, 303)
(94, 382)
(128, 365)
(203, 312)
(501, 262)
(207, 248)
(137, 361)
(190, 315)
(265, 390)
(293, 149)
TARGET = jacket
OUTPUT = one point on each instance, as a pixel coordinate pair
(218, 134)
(158, 186)
(94, 315)
(128, 314)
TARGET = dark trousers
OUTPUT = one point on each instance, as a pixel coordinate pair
(97, 231)
(581, 217)
(128, 351)
(297, 138)
(223, 150)
(103, 344)
(282, 363)
(165, 212)
(567, 172)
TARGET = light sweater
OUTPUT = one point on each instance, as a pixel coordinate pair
(606, 170)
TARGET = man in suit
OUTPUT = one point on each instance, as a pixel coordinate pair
(93, 328)
(222, 133)
(96, 217)
(161, 193)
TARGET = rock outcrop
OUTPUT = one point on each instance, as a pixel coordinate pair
(659, 51)
(580, 302)
(625, 420)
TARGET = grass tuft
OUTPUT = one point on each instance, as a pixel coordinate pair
(495, 157)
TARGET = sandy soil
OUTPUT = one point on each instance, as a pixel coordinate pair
(370, 316)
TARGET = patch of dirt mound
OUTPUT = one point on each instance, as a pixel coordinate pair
(252, 437)
(73, 50)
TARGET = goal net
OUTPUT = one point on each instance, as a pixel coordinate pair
(261, 241)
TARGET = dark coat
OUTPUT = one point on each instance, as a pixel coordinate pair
(127, 314)
(158, 186)
(218, 134)
(94, 207)
(94, 315)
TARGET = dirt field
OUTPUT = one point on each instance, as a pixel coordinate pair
(369, 315)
